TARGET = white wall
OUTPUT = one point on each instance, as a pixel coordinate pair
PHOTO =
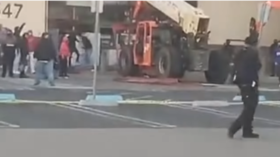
(230, 20)
(33, 13)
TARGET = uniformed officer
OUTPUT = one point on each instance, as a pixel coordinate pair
(246, 68)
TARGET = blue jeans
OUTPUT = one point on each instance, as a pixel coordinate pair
(44, 68)
(89, 57)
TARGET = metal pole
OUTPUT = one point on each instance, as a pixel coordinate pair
(96, 33)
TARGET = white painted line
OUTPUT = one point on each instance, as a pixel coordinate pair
(9, 124)
(167, 100)
(222, 113)
(111, 115)
(140, 97)
(206, 103)
(198, 109)
(209, 85)
(153, 102)
(126, 93)
(210, 103)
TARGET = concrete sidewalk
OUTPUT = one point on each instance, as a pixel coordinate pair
(86, 76)
(136, 143)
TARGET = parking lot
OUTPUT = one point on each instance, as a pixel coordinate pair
(161, 129)
(128, 116)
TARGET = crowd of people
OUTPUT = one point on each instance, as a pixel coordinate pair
(38, 55)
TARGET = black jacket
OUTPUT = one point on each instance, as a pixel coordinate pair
(17, 32)
(23, 46)
(272, 48)
(72, 40)
(246, 66)
(45, 50)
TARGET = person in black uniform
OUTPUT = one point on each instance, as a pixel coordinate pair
(246, 68)
(272, 49)
(9, 54)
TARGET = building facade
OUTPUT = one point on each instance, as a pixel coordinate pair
(229, 19)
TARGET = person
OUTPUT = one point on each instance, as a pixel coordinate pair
(72, 45)
(3, 34)
(46, 56)
(32, 42)
(253, 32)
(277, 61)
(246, 68)
(64, 54)
(9, 53)
(17, 32)
(23, 48)
(88, 50)
(272, 49)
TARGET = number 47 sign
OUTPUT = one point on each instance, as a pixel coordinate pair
(10, 10)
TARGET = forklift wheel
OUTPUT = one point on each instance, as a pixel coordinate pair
(218, 68)
(126, 66)
(169, 63)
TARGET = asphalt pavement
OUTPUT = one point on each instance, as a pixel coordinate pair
(50, 114)
(182, 142)
(162, 129)
(128, 116)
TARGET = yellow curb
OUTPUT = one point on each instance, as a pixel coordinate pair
(153, 102)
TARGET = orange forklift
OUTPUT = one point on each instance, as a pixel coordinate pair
(162, 39)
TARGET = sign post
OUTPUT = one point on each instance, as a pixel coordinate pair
(263, 16)
(93, 99)
(97, 8)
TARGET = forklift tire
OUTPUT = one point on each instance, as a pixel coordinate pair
(169, 63)
(126, 66)
(218, 68)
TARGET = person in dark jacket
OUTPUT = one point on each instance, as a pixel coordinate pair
(45, 54)
(24, 51)
(253, 32)
(246, 68)
(17, 32)
(8, 48)
(72, 44)
(272, 49)
(88, 50)
(277, 61)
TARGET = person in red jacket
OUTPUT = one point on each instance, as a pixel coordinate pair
(64, 54)
(32, 43)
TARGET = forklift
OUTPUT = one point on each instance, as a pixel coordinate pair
(162, 39)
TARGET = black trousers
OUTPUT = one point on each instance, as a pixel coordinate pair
(277, 70)
(8, 61)
(250, 98)
(63, 66)
(23, 63)
(272, 67)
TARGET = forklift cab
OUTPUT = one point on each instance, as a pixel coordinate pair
(142, 47)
